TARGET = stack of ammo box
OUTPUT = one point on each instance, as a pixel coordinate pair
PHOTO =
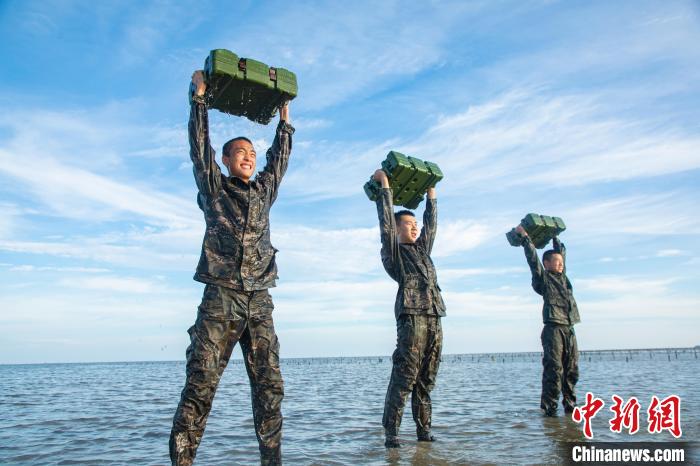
(246, 87)
(540, 228)
(409, 179)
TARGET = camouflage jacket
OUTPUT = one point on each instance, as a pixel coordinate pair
(559, 303)
(236, 250)
(410, 264)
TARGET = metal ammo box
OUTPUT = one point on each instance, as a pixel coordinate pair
(246, 87)
(540, 228)
(409, 179)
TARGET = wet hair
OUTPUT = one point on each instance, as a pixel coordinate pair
(547, 256)
(227, 147)
(400, 213)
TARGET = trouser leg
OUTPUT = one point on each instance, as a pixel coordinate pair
(406, 363)
(552, 369)
(421, 406)
(570, 376)
(212, 339)
(261, 355)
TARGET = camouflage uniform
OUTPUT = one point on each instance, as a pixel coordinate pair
(238, 266)
(560, 314)
(418, 310)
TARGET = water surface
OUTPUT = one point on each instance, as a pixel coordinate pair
(485, 410)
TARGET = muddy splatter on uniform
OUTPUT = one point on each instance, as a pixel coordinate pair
(237, 265)
(418, 310)
(559, 314)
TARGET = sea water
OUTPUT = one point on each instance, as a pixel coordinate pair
(485, 410)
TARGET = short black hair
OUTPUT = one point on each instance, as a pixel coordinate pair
(397, 215)
(547, 256)
(227, 147)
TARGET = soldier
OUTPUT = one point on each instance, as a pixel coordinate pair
(237, 265)
(560, 314)
(418, 309)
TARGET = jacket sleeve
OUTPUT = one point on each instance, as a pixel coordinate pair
(427, 234)
(559, 247)
(277, 159)
(387, 229)
(207, 173)
(535, 266)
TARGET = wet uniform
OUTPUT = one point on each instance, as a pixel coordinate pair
(418, 311)
(237, 264)
(560, 314)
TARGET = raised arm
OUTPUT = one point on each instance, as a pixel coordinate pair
(559, 247)
(533, 261)
(427, 234)
(278, 155)
(207, 173)
(387, 228)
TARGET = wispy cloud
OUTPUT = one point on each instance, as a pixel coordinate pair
(671, 212)
(626, 285)
(459, 236)
(531, 137)
(35, 269)
(351, 51)
(167, 249)
(77, 193)
(113, 284)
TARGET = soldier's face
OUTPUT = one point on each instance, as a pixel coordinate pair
(555, 263)
(241, 160)
(407, 229)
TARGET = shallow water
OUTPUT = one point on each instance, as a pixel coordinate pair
(485, 410)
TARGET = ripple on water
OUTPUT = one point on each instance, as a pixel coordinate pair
(484, 411)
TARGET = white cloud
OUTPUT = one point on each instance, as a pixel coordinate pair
(113, 284)
(333, 301)
(326, 254)
(456, 274)
(77, 193)
(341, 56)
(163, 250)
(458, 236)
(536, 137)
(670, 253)
(493, 305)
(625, 285)
(672, 213)
(35, 269)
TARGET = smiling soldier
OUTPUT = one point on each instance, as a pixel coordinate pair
(237, 265)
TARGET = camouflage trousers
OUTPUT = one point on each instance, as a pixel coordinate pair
(559, 367)
(415, 366)
(224, 318)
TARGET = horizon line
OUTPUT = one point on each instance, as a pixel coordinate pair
(620, 350)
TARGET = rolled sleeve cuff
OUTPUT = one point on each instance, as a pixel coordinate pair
(199, 99)
(283, 126)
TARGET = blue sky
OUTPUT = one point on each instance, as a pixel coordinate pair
(585, 110)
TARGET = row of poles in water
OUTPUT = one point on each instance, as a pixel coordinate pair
(626, 355)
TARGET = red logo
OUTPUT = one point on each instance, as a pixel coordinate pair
(587, 412)
(662, 415)
(665, 415)
(626, 416)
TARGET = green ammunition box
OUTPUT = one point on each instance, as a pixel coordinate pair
(285, 81)
(540, 228)
(223, 62)
(409, 179)
(246, 87)
(372, 189)
(514, 238)
(256, 72)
